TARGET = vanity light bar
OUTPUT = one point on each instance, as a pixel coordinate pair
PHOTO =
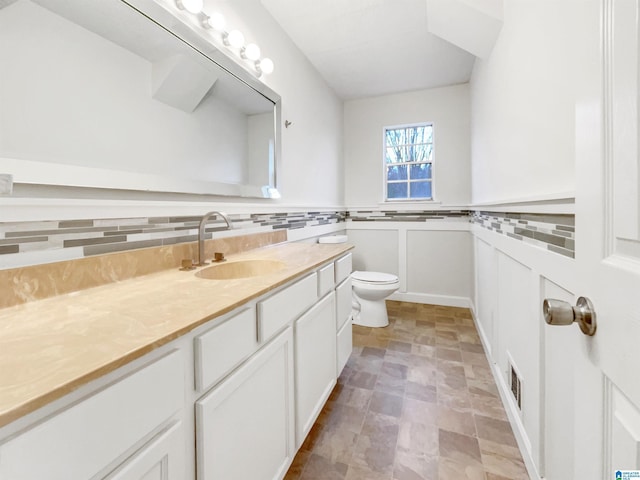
(233, 40)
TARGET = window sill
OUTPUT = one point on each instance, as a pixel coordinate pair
(410, 202)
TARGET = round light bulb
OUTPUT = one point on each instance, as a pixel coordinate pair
(235, 38)
(216, 21)
(266, 65)
(252, 51)
(193, 6)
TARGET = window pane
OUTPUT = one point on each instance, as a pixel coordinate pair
(421, 153)
(397, 172)
(421, 171)
(396, 137)
(396, 154)
(397, 190)
(420, 189)
(415, 135)
(428, 134)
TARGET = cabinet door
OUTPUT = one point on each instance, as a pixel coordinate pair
(244, 426)
(315, 345)
(161, 459)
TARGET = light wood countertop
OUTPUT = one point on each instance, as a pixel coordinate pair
(51, 347)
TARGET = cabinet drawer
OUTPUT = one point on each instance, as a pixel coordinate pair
(343, 267)
(344, 302)
(89, 436)
(286, 305)
(225, 346)
(344, 345)
(325, 280)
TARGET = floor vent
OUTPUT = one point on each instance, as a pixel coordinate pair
(516, 385)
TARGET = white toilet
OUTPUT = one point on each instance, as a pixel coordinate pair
(370, 289)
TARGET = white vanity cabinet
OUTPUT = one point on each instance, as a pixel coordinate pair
(315, 361)
(87, 438)
(238, 394)
(245, 425)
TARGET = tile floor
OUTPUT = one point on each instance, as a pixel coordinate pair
(416, 401)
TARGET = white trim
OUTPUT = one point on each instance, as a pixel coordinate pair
(513, 414)
(563, 200)
(437, 225)
(432, 299)
(13, 209)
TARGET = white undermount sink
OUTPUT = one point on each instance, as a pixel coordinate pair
(240, 269)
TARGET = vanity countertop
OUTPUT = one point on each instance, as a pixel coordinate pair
(51, 347)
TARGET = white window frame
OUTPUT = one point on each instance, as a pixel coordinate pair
(384, 164)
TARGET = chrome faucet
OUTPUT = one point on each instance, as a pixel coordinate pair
(207, 216)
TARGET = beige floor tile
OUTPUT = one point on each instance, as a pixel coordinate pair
(456, 421)
(353, 396)
(451, 470)
(337, 445)
(459, 448)
(415, 466)
(504, 466)
(487, 446)
(386, 404)
(488, 406)
(360, 473)
(418, 411)
(418, 438)
(496, 430)
(360, 379)
(416, 401)
(425, 393)
(320, 468)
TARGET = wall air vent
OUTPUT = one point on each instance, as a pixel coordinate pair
(516, 384)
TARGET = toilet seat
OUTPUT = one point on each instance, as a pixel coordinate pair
(374, 278)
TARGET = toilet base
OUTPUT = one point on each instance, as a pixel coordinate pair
(372, 313)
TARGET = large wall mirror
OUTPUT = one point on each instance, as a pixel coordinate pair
(94, 93)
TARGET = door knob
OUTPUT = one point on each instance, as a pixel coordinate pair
(559, 312)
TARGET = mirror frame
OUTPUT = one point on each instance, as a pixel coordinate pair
(186, 30)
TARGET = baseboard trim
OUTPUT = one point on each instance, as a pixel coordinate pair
(522, 439)
(445, 300)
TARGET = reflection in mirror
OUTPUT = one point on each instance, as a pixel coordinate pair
(95, 94)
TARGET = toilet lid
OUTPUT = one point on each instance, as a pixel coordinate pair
(374, 277)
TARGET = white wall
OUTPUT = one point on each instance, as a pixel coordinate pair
(523, 100)
(522, 103)
(311, 169)
(433, 260)
(364, 120)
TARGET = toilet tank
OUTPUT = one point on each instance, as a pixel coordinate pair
(333, 239)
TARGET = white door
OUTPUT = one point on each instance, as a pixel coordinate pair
(606, 367)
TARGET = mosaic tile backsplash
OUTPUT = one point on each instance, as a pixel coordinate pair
(50, 241)
(405, 216)
(555, 232)
(88, 237)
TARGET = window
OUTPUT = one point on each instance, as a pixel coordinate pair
(408, 157)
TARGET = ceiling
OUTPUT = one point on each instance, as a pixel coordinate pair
(367, 48)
